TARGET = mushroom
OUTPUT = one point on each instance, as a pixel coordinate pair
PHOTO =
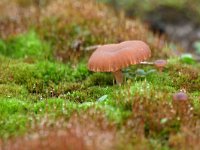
(160, 64)
(180, 96)
(114, 57)
(181, 104)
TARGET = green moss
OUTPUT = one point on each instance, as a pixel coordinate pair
(12, 90)
(115, 114)
(43, 72)
(13, 117)
(57, 107)
(195, 100)
(97, 79)
(2, 46)
(95, 92)
(80, 72)
(18, 116)
(66, 87)
(89, 94)
(25, 45)
(160, 79)
(185, 77)
(76, 96)
(13, 125)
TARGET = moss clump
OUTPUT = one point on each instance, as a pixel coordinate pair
(43, 72)
(25, 45)
(13, 120)
(18, 116)
(100, 79)
(185, 77)
(12, 90)
(86, 94)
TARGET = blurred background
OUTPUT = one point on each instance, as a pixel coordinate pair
(179, 20)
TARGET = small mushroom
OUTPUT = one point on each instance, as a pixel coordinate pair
(180, 96)
(160, 64)
(181, 104)
(114, 57)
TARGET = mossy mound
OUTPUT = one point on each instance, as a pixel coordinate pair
(41, 94)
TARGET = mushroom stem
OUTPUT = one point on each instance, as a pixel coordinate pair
(160, 69)
(146, 63)
(118, 76)
(90, 48)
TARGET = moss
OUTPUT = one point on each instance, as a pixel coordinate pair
(57, 107)
(98, 91)
(195, 100)
(97, 79)
(160, 79)
(13, 125)
(12, 90)
(13, 120)
(76, 96)
(40, 75)
(25, 45)
(89, 94)
(18, 116)
(80, 72)
(185, 77)
(115, 114)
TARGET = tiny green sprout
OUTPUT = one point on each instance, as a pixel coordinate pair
(196, 46)
(187, 58)
(102, 98)
(163, 120)
(140, 73)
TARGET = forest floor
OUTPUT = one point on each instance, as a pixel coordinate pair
(50, 100)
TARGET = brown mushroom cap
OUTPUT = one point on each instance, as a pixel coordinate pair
(114, 57)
